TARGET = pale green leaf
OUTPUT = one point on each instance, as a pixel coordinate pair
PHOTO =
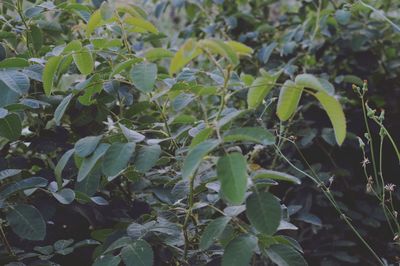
(312, 82)
(218, 47)
(84, 61)
(184, 55)
(155, 54)
(49, 73)
(141, 24)
(259, 89)
(240, 48)
(288, 101)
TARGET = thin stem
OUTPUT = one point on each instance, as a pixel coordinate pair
(5, 241)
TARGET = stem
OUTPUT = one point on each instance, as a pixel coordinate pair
(187, 217)
(5, 241)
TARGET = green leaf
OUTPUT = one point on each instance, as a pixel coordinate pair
(240, 48)
(144, 76)
(310, 81)
(131, 135)
(285, 255)
(8, 173)
(335, 114)
(10, 127)
(274, 175)
(15, 80)
(141, 25)
(89, 163)
(86, 146)
(31, 182)
(201, 136)
(122, 66)
(213, 231)
(8, 96)
(288, 101)
(117, 157)
(61, 108)
(239, 251)
(49, 72)
(14, 62)
(106, 10)
(27, 222)
(232, 173)
(219, 47)
(37, 37)
(253, 134)
(155, 54)
(188, 51)
(195, 156)
(91, 86)
(90, 184)
(107, 260)
(94, 22)
(147, 158)
(264, 212)
(65, 196)
(84, 61)
(60, 166)
(139, 253)
(259, 89)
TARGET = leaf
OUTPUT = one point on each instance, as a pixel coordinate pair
(89, 163)
(264, 212)
(147, 158)
(239, 251)
(219, 47)
(15, 80)
(117, 157)
(253, 134)
(141, 24)
(288, 101)
(10, 127)
(90, 184)
(37, 37)
(85, 146)
(131, 135)
(155, 54)
(61, 108)
(144, 76)
(94, 22)
(212, 232)
(27, 222)
(230, 117)
(31, 182)
(184, 55)
(65, 196)
(16, 62)
(240, 48)
(8, 173)
(60, 166)
(274, 175)
(335, 114)
(49, 72)
(195, 156)
(201, 136)
(232, 173)
(285, 255)
(122, 66)
(310, 81)
(107, 260)
(259, 89)
(139, 253)
(84, 61)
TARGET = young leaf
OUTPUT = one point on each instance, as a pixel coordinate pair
(139, 253)
(232, 173)
(49, 73)
(239, 251)
(219, 47)
(65, 196)
(195, 156)
(201, 136)
(259, 89)
(84, 61)
(117, 157)
(147, 158)
(27, 222)
(141, 24)
(184, 55)
(155, 54)
(143, 76)
(85, 146)
(288, 101)
(89, 163)
(240, 48)
(10, 127)
(122, 66)
(14, 62)
(94, 22)
(285, 255)
(264, 212)
(61, 108)
(253, 134)
(335, 114)
(274, 175)
(310, 81)
(212, 231)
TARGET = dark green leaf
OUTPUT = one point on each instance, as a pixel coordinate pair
(139, 253)
(253, 134)
(89, 163)
(239, 251)
(213, 231)
(284, 255)
(23, 184)
(117, 157)
(10, 127)
(59, 112)
(86, 146)
(147, 157)
(27, 222)
(143, 76)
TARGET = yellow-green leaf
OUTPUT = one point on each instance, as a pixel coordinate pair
(335, 114)
(84, 61)
(95, 21)
(185, 54)
(260, 87)
(49, 72)
(141, 24)
(157, 54)
(310, 81)
(288, 101)
(220, 48)
(240, 48)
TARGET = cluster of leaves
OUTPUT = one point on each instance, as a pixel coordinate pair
(165, 150)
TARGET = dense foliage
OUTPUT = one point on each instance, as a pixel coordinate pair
(215, 132)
